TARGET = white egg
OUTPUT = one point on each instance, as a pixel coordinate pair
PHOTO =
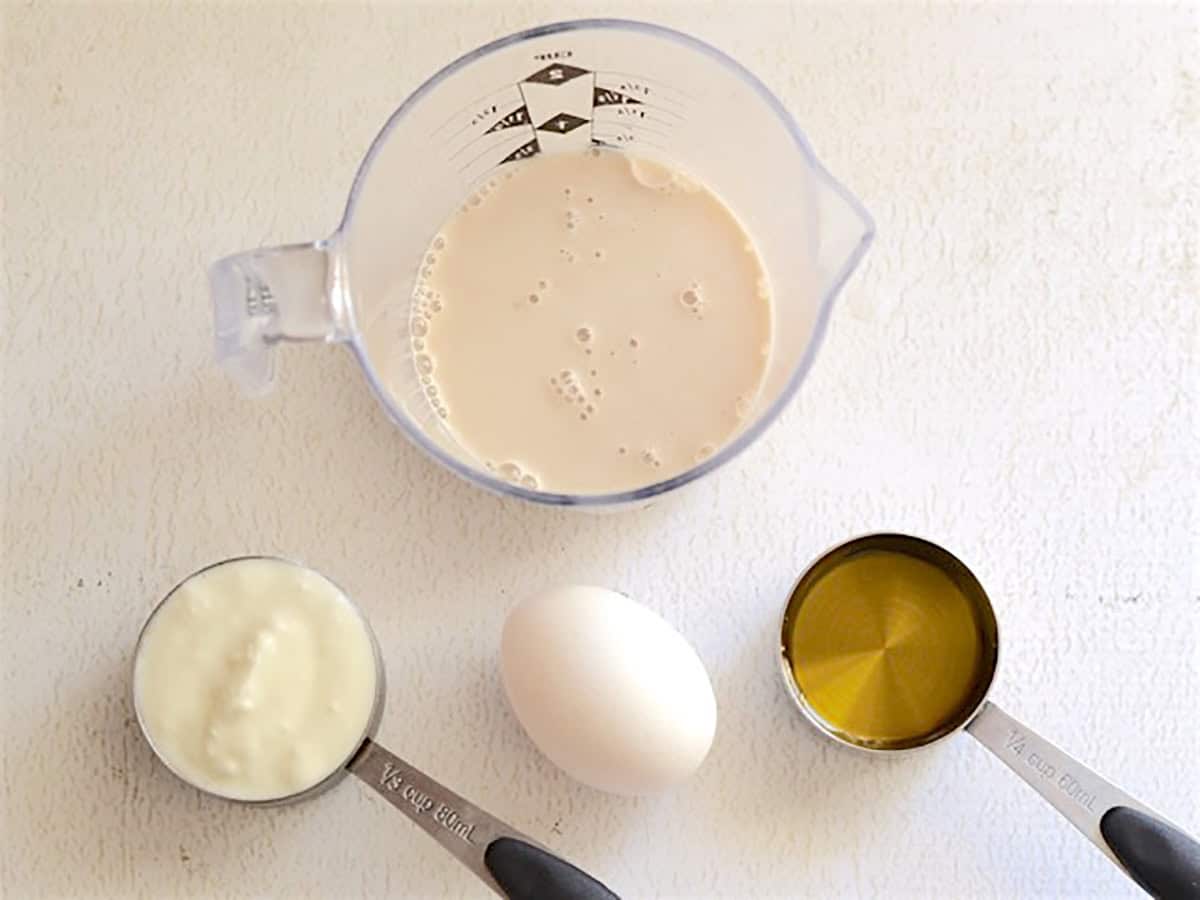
(607, 689)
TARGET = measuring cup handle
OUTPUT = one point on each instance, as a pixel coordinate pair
(510, 863)
(527, 872)
(269, 295)
(1158, 856)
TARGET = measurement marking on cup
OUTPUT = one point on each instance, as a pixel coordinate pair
(259, 299)
(1016, 743)
(392, 778)
(1073, 789)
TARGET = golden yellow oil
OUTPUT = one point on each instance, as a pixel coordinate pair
(891, 641)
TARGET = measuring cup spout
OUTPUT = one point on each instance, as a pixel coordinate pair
(269, 295)
(846, 232)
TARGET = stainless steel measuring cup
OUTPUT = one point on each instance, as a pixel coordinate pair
(508, 861)
(1160, 857)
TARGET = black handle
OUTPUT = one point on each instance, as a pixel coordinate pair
(526, 872)
(1158, 856)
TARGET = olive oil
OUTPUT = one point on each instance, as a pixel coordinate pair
(890, 641)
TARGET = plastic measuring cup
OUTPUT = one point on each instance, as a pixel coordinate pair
(600, 82)
(1160, 857)
(509, 862)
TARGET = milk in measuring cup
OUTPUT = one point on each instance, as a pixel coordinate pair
(591, 322)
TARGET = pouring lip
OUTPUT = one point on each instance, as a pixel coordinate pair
(743, 440)
(963, 717)
(338, 773)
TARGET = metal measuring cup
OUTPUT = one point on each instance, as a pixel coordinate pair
(1161, 858)
(508, 861)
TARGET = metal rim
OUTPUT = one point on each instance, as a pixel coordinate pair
(874, 540)
(766, 418)
(340, 771)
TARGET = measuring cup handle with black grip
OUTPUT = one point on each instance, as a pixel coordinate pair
(509, 862)
(1163, 860)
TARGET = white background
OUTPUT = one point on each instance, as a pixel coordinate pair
(1013, 373)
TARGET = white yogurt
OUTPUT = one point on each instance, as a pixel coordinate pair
(255, 679)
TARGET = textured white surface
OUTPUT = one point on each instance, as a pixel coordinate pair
(1014, 373)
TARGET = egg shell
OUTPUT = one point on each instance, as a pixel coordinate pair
(607, 689)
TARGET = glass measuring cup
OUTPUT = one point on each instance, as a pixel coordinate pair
(571, 85)
(1161, 858)
(506, 860)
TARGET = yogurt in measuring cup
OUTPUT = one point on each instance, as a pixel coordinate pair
(255, 679)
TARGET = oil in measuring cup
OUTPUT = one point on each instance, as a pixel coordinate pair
(887, 648)
(889, 643)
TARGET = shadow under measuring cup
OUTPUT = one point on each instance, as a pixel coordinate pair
(509, 862)
(890, 644)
